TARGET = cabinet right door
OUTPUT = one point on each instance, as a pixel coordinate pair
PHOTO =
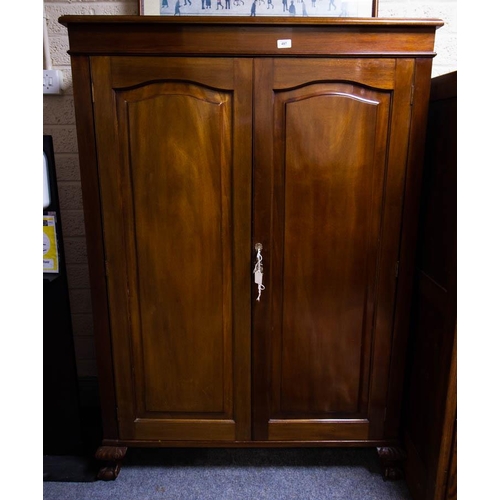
(330, 152)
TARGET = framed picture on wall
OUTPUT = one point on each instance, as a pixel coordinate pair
(280, 8)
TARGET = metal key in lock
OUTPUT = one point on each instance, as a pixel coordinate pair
(258, 270)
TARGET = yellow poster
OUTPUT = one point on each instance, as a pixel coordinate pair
(50, 255)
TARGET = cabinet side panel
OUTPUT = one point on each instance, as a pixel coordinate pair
(412, 187)
(80, 68)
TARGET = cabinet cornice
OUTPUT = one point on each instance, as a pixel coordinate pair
(160, 35)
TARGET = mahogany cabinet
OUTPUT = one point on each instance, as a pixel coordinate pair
(207, 150)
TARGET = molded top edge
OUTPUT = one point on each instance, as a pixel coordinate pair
(253, 21)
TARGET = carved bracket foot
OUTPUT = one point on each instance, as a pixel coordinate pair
(113, 456)
(392, 460)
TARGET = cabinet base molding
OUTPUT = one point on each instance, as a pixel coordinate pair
(392, 459)
(113, 456)
(249, 444)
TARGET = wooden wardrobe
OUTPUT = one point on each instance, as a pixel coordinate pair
(208, 151)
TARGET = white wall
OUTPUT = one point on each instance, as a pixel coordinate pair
(446, 37)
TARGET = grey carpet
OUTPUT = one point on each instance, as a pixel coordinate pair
(233, 474)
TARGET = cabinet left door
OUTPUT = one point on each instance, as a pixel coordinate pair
(174, 153)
